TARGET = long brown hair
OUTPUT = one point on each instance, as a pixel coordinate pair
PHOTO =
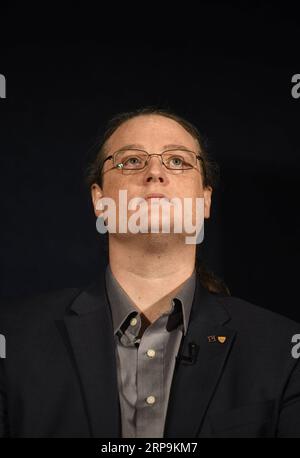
(209, 171)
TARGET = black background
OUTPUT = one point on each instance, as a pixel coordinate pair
(226, 67)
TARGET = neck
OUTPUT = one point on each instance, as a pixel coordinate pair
(151, 269)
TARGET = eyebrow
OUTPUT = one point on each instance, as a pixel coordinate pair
(131, 146)
(175, 146)
(165, 147)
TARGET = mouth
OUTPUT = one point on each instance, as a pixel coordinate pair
(155, 196)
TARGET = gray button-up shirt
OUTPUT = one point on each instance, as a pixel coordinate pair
(145, 365)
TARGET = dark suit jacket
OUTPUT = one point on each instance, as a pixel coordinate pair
(59, 377)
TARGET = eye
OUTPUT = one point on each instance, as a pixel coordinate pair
(132, 161)
(175, 161)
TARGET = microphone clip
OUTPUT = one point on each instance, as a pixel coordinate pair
(192, 357)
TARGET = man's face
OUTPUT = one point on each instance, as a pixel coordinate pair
(154, 134)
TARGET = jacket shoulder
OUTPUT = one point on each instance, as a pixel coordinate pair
(252, 319)
(38, 306)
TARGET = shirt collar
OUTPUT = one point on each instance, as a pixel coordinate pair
(122, 306)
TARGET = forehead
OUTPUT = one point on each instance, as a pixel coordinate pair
(151, 132)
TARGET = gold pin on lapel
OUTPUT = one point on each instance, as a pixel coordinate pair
(221, 339)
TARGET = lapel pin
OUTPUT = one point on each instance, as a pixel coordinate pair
(211, 338)
(222, 339)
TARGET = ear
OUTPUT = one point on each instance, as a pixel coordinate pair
(207, 192)
(96, 194)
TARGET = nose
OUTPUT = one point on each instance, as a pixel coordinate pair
(155, 170)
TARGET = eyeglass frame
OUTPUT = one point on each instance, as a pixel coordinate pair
(112, 156)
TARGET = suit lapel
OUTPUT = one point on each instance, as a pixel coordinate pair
(90, 334)
(193, 385)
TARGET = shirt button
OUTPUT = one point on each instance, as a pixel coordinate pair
(151, 353)
(150, 400)
(133, 321)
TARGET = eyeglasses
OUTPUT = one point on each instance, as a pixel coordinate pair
(175, 160)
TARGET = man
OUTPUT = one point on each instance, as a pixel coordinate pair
(152, 348)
